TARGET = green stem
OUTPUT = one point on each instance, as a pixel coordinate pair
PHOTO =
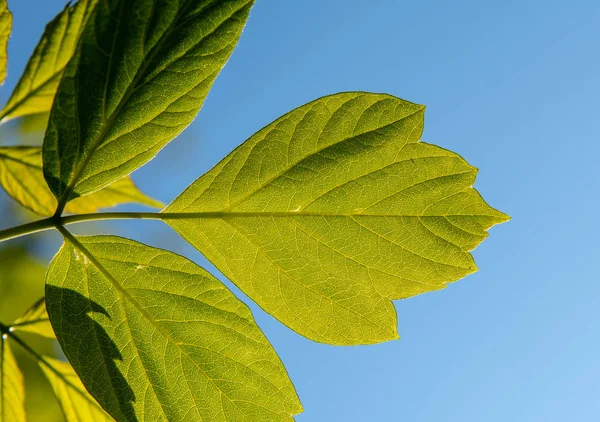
(56, 222)
(26, 229)
(80, 218)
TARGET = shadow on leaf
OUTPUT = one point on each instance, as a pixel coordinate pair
(90, 350)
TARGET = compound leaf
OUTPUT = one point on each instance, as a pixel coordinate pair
(330, 212)
(22, 177)
(5, 28)
(140, 73)
(35, 90)
(35, 320)
(76, 403)
(155, 337)
(12, 389)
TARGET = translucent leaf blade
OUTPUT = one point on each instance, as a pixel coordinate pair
(34, 93)
(332, 211)
(154, 336)
(140, 74)
(12, 388)
(5, 28)
(35, 320)
(22, 178)
(120, 192)
(76, 403)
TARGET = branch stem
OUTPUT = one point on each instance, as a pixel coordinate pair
(55, 222)
(58, 221)
(26, 229)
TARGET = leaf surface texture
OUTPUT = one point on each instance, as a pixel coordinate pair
(335, 209)
(76, 403)
(12, 389)
(22, 177)
(34, 93)
(153, 336)
(140, 73)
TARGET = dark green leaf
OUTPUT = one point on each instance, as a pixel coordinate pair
(155, 337)
(140, 74)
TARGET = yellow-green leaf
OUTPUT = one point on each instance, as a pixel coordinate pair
(35, 320)
(332, 211)
(75, 402)
(140, 73)
(120, 192)
(34, 93)
(12, 389)
(22, 178)
(155, 337)
(5, 28)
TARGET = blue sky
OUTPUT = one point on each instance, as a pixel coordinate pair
(512, 86)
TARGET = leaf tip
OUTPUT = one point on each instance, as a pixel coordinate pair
(500, 217)
(504, 217)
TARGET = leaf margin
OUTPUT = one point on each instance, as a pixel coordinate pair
(86, 257)
(174, 213)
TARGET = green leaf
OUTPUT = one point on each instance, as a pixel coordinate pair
(35, 90)
(140, 74)
(155, 337)
(22, 178)
(5, 28)
(120, 192)
(75, 402)
(12, 389)
(335, 209)
(35, 320)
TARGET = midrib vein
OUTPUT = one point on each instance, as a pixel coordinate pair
(224, 215)
(141, 73)
(125, 294)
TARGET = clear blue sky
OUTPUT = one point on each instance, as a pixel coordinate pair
(513, 86)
